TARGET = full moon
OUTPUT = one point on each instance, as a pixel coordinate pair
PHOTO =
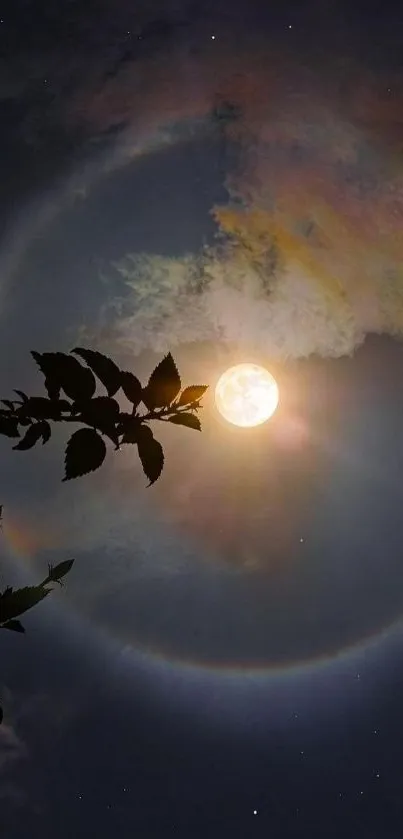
(246, 395)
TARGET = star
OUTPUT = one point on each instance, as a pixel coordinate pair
(255, 812)
(213, 37)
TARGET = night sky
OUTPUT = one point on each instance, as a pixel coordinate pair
(223, 181)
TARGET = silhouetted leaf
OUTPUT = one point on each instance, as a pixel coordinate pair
(191, 394)
(9, 427)
(15, 625)
(62, 569)
(150, 454)
(131, 428)
(190, 420)
(104, 368)
(131, 387)
(85, 452)
(102, 412)
(32, 435)
(46, 432)
(14, 603)
(163, 386)
(8, 404)
(46, 364)
(58, 571)
(64, 405)
(1, 715)
(64, 371)
(38, 407)
(78, 382)
(22, 395)
(52, 387)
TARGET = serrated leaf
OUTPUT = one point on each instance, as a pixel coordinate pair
(191, 394)
(15, 603)
(62, 568)
(31, 436)
(101, 412)
(131, 387)
(52, 387)
(131, 428)
(14, 624)
(9, 427)
(189, 420)
(39, 407)
(104, 368)
(48, 366)
(46, 432)
(64, 371)
(22, 395)
(163, 385)
(57, 369)
(58, 571)
(85, 452)
(151, 454)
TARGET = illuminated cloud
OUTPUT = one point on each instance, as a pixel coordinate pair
(313, 246)
(318, 177)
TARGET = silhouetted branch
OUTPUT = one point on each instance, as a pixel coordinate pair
(72, 398)
(14, 602)
(30, 418)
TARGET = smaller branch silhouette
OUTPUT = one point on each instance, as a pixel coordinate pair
(14, 602)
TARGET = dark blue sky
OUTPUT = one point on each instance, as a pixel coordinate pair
(145, 697)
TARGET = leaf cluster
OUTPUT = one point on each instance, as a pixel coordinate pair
(72, 382)
(14, 602)
(72, 397)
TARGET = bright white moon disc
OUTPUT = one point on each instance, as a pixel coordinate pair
(246, 395)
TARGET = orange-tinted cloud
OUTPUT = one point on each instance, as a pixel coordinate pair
(320, 180)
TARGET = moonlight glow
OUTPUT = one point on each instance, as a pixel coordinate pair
(246, 395)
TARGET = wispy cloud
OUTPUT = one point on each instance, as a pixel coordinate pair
(317, 179)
